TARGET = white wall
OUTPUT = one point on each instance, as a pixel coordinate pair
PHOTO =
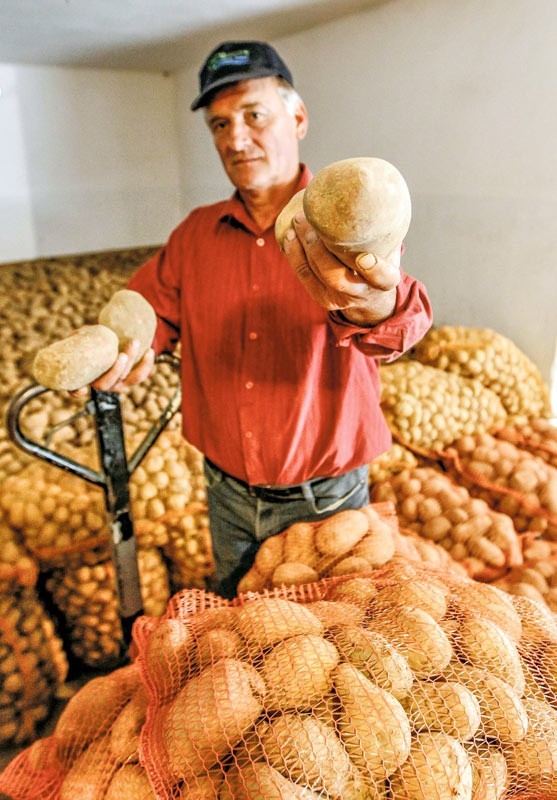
(461, 97)
(89, 160)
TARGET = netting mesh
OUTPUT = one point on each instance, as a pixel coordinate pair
(406, 682)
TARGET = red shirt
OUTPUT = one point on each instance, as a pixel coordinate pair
(276, 390)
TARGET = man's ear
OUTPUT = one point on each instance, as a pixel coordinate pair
(301, 118)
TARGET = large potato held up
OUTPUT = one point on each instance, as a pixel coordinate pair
(356, 205)
(130, 316)
(77, 360)
(81, 358)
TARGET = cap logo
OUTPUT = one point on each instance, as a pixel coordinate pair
(237, 58)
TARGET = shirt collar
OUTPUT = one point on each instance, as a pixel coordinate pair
(234, 209)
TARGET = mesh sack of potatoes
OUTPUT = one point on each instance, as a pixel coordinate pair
(538, 436)
(355, 540)
(12, 459)
(435, 507)
(33, 664)
(60, 517)
(162, 482)
(395, 460)
(536, 578)
(85, 597)
(427, 408)
(93, 751)
(189, 549)
(143, 405)
(390, 686)
(410, 546)
(493, 359)
(511, 480)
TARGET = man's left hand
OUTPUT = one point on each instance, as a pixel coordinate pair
(365, 292)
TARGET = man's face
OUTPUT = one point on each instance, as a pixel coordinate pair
(255, 135)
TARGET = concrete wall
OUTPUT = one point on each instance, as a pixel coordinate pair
(89, 160)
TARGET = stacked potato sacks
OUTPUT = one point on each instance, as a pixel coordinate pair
(401, 685)
(189, 549)
(538, 436)
(435, 507)
(62, 521)
(494, 360)
(33, 665)
(510, 479)
(349, 542)
(427, 408)
(395, 460)
(536, 578)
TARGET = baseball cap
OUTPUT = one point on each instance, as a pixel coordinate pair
(231, 62)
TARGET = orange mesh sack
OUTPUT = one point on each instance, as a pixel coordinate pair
(96, 738)
(536, 578)
(509, 479)
(434, 506)
(538, 436)
(404, 684)
(401, 684)
(355, 540)
(59, 516)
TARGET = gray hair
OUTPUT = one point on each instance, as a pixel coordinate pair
(289, 96)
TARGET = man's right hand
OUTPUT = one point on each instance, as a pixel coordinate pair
(123, 374)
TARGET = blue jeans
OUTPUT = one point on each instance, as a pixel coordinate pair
(241, 517)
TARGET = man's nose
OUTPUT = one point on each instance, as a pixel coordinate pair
(239, 135)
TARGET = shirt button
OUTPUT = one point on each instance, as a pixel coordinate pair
(255, 287)
(260, 242)
(248, 434)
(253, 335)
(249, 384)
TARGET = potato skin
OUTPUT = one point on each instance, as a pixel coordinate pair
(284, 220)
(130, 316)
(359, 205)
(77, 360)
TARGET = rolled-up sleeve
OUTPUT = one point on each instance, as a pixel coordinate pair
(386, 341)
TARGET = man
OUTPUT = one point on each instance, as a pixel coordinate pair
(279, 349)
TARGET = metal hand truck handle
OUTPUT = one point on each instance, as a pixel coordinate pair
(113, 477)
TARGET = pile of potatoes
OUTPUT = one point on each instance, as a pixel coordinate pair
(435, 507)
(355, 540)
(491, 358)
(538, 436)
(58, 516)
(511, 480)
(189, 550)
(85, 595)
(162, 481)
(536, 578)
(407, 684)
(427, 408)
(395, 460)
